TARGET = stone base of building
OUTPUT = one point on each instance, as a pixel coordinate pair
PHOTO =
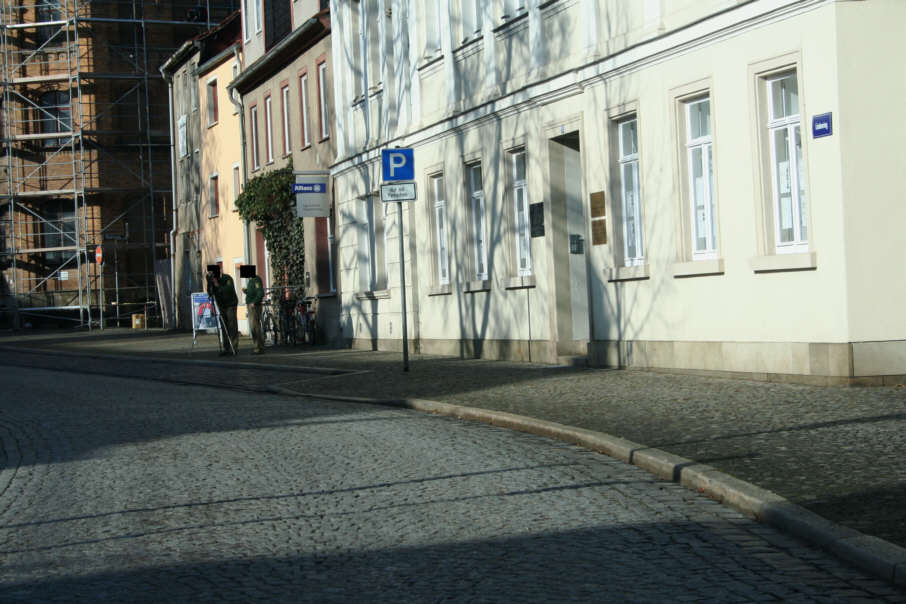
(813, 363)
(845, 364)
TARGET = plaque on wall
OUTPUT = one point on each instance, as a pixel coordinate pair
(536, 219)
(598, 232)
(598, 209)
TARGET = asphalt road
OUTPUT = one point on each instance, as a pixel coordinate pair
(121, 489)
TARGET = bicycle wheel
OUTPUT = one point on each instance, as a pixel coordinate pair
(267, 328)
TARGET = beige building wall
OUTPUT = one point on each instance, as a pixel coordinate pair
(549, 82)
(222, 230)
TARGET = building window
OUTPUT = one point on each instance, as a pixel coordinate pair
(212, 101)
(630, 200)
(214, 195)
(268, 130)
(700, 175)
(59, 230)
(257, 15)
(284, 93)
(513, 8)
(46, 11)
(479, 232)
(471, 18)
(442, 252)
(181, 137)
(303, 102)
(237, 184)
(433, 21)
(375, 219)
(322, 98)
(253, 118)
(787, 168)
(246, 29)
(55, 115)
(373, 42)
(521, 212)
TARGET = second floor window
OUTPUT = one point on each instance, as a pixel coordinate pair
(284, 96)
(212, 102)
(303, 102)
(322, 99)
(55, 115)
(268, 130)
(253, 118)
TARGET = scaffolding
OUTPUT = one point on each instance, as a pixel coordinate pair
(86, 139)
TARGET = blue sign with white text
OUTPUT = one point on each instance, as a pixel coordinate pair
(316, 187)
(822, 125)
(397, 164)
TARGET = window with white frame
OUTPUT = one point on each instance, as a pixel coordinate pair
(373, 42)
(630, 199)
(284, 99)
(322, 99)
(522, 235)
(433, 21)
(471, 18)
(268, 130)
(253, 118)
(183, 143)
(787, 168)
(214, 195)
(303, 102)
(375, 219)
(257, 15)
(700, 166)
(513, 8)
(212, 101)
(440, 228)
(479, 230)
(246, 26)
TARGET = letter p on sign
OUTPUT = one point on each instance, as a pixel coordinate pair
(397, 164)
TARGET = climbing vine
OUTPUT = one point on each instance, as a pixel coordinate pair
(268, 202)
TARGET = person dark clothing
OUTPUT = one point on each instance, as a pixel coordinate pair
(254, 296)
(224, 293)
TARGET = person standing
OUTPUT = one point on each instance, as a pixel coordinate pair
(221, 287)
(254, 296)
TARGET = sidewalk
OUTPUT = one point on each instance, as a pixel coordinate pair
(835, 451)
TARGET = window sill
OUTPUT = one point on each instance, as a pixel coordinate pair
(698, 268)
(430, 59)
(324, 139)
(377, 294)
(212, 124)
(784, 262)
(520, 282)
(480, 285)
(629, 273)
(508, 20)
(332, 294)
(213, 216)
(306, 147)
(440, 290)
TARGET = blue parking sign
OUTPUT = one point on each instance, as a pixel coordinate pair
(397, 164)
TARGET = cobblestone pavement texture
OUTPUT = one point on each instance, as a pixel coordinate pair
(117, 489)
(836, 451)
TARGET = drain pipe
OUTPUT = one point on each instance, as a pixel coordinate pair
(242, 159)
(173, 321)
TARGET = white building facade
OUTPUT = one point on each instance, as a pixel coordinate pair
(698, 185)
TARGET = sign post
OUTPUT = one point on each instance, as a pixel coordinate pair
(99, 257)
(398, 168)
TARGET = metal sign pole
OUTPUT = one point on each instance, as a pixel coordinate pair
(403, 287)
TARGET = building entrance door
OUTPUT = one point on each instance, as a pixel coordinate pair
(569, 245)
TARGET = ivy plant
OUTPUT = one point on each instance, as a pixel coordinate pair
(268, 202)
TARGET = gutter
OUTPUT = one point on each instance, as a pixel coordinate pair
(259, 69)
(174, 218)
(232, 93)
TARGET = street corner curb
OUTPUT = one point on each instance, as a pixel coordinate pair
(871, 554)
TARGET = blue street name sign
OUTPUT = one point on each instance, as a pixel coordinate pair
(316, 187)
(397, 164)
(822, 125)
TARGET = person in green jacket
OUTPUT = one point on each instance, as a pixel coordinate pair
(254, 296)
(221, 287)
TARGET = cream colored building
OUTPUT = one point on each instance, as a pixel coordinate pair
(286, 94)
(699, 185)
(222, 231)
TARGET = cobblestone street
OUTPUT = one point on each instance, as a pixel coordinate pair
(129, 490)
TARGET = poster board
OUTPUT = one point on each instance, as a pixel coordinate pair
(204, 315)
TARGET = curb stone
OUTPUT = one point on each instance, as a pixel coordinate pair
(870, 554)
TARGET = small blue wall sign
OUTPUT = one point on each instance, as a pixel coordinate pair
(822, 125)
